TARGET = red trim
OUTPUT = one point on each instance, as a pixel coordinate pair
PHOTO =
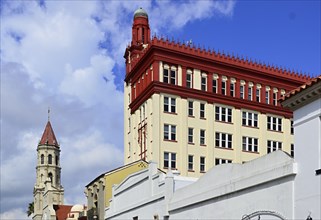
(159, 87)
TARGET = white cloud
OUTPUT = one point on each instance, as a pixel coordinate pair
(64, 55)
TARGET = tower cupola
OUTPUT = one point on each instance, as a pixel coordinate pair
(140, 29)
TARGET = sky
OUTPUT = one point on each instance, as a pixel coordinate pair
(68, 56)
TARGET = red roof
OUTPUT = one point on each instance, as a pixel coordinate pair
(62, 211)
(301, 88)
(48, 136)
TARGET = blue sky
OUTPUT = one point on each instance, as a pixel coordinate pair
(68, 55)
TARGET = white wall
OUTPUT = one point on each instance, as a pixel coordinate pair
(307, 134)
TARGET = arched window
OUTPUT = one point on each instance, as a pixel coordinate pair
(50, 176)
(50, 159)
(42, 159)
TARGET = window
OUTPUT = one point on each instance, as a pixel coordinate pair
(242, 91)
(169, 132)
(232, 89)
(274, 123)
(249, 94)
(169, 160)
(165, 76)
(57, 160)
(50, 177)
(214, 86)
(202, 137)
(42, 158)
(273, 146)
(190, 108)
(223, 140)
(190, 135)
(190, 162)
(257, 94)
(292, 150)
(203, 83)
(202, 164)
(173, 77)
(202, 110)
(267, 97)
(223, 114)
(169, 78)
(169, 104)
(189, 80)
(275, 101)
(249, 119)
(223, 89)
(219, 161)
(49, 159)
(250, 144)
(292, 128)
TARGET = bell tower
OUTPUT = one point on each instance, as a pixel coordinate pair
(140, 37)
(48, 169)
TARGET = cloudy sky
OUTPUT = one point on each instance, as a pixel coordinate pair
(68, 55)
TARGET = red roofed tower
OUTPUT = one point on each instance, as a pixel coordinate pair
(48, 169)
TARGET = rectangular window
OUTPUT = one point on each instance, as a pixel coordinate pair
(190, 108)
(292, 128)
(219, 161)
(223, 114)
(189, 80)
(202, 110)
(274, 123)
(223, 140)
(190, 135)
(275, 101)
(165, 76)
(169, 104)
(169, 132)
(258, 95)
(214, 88)
(242, 92)
(202, 137)
(249, 119)
(173, 77)
(232, 89)
(267, 97)
(249, 94)
(273, 146)
(223, 88)
(169, 160)
(202, 164)
(292, 150)
(190, 162)
(203, 83)
(250, 144)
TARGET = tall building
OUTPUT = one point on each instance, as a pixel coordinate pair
(48, 179)
(189, 108)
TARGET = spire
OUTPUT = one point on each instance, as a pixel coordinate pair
(48, 136)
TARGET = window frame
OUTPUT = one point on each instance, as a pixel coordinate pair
(202, 137)
(250, 119)
(190, 162)
(190, 108)
(273, 146)
(170, 106)
(202, 164)
(169, 132)
(171, 160)
(223, 140)
(250, 144)
(223, 114)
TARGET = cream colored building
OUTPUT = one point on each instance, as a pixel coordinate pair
(190, 109)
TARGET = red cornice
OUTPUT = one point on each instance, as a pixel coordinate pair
(209, 59)
(183, 92)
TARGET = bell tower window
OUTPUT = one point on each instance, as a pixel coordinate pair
(50, 176)
(50, 159)
(42, 159)
(57, 160)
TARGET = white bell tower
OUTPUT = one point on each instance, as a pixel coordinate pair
(48, 167)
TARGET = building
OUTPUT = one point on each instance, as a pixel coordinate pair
(305, 102)
(274, 186)
(99, 191)
(190, 109)
(48, 173)
(48, 191)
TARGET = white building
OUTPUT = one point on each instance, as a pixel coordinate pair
(275, 186)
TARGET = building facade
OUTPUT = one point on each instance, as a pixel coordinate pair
(190, 109)
(99, 191)
(48, 174)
